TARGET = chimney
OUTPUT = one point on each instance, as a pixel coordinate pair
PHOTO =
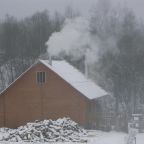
(50, 59)
(85, 66)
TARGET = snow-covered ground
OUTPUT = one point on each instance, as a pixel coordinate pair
(99, 137)
(140, 139)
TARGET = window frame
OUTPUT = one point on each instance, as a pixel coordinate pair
(39, 79)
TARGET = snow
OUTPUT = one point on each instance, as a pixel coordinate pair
(61, 130)
(75, 78)
(96, 137)
(100, 137)
(140, 138)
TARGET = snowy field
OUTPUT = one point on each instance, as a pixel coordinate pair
(98, 137)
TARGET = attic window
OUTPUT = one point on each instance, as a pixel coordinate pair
(40, 77)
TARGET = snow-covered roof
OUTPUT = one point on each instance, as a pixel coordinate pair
(75, 78)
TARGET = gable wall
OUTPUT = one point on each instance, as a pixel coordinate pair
(27, 101)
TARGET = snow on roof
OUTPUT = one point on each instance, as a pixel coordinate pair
(75, 78)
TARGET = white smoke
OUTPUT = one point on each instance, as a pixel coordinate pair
(74, 39)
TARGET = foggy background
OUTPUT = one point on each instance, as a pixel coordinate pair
(23, 8)
(105, 37)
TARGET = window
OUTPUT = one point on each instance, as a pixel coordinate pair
(40, 77)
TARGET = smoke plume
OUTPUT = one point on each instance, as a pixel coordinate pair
(75, 40)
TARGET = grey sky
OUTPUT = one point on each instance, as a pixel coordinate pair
(22, 8)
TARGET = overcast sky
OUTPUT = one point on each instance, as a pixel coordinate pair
(22, 8)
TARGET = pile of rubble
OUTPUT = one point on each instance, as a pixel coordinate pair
(61, 130)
